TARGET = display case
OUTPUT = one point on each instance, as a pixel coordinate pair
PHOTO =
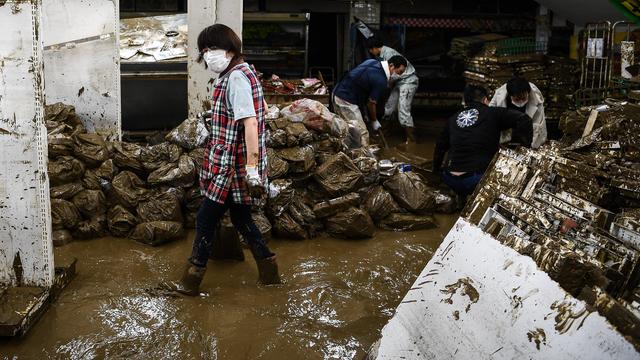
(277, 43)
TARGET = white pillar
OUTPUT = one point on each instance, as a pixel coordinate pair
(25, 214)
(203, 13)
(543, 29)
(82, 60)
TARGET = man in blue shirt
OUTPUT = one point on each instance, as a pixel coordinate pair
(362, 88)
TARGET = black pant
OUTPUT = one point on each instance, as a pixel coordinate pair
(209, 217)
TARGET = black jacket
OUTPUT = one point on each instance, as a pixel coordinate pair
(472, 137)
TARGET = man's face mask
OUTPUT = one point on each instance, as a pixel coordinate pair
(217, 60)
(520, 101)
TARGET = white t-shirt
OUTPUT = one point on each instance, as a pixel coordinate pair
(240, 96)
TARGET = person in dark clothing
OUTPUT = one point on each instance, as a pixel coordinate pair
(472, 137)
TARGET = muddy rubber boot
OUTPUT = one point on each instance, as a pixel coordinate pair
(267, 270)
(189, 284)
(411, 135)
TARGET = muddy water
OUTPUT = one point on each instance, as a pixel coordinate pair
(337, 296)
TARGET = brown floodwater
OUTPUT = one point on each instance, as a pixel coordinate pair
(336, 298)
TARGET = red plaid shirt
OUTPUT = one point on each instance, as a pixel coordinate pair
(225, 153)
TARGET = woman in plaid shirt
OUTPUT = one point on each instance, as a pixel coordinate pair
(234, 170)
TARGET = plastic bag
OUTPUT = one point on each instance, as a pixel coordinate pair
(90, 229)
(192, 133)
(157, 232)
(60, 112)
(331, 207)
(297, 134)
(379, 203)
(90, 202)
(64, 215)
(182, 174)
(310, 112)
(408, 222)
(120, 221)
(277, 138)
(65, 169)
(281, 194)
(338, 175)
(92, 177)
(66, 191)
(277, 167)
(273, 112)
(352, 223)
(153, 157)
(445, 203)
(285, 227)
(197, 155)
(193, 199)
(411, 192)
(59, 145)
(303, 215)
(300, 159)
(126, 156)
(369, 168)
(127, 189)
(163, 206)
(90, 148)
(262, 223)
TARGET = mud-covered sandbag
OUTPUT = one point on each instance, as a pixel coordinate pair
(197, 155)
(277, 138)
(331, 207)
(445, 202)
(301, 159)
(310, 112)
(161, 206)
(369, 168)
(353, 223)
(90, 148)
(66, 191)
(297, 134)
(59, 145)
(192, 133)
(411, 192)
(120, 221)
(90, 202)
(157, 232)
(379, 203)
(338, 175)
(153, 157)
(303, 215)
(277, 167)
(178, 192)
(64, 215)
(60, 112)
(65, 169)
(106, 171)
(281, 194)
(262, 223)
(285, 227)
(126, 156)
(90, 229)
(61, 237)
(193, 198)
(190, 220)
(408, 222)
(127, 189)
(181, 174)
(273, 112)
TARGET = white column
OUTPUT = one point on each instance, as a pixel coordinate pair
(203, 13)
(25, 214)
(82, 60)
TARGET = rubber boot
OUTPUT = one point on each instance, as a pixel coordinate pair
(411, 135)
(189, 284)
(267, 270)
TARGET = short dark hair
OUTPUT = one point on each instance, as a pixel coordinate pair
(474, 93)
(397, 61)
(219, 36)
(374, 42)
(518, 85)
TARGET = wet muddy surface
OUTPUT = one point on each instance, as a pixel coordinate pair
(337, 297)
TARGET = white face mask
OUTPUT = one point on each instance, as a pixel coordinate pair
(394, 77)
(519, 104)
(217, 60)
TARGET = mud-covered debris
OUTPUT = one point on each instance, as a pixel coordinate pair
(190, 134)
(161, 206)
(263, 224)
(93, 228)
(61, 113)
(157, 232)
(338, 175)
(65, 169)
(120, 221)
(197, 155)
(153, 157)
(302, 214)
(297, 134)
(106, 171)
(277, 139)
(411, 192)
(380, 204)
(193, 199)
(91, 149)
(445, 202)
(127, 189)
(61, 237)
(90, 202)
(190, 220)
(369, 168)
(408, 222)
(353, 223)
(281, 194)
(301, 159)
(277, 167)
(66, 191)
(312, 113)
(59, 145)
(64, 214)
(285, 227)
(181, 174)
(331, 207)
(127, 157)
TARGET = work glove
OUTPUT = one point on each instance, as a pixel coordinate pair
(376, 125)
(254, 182)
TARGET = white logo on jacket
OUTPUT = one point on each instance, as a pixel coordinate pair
(467, 118)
